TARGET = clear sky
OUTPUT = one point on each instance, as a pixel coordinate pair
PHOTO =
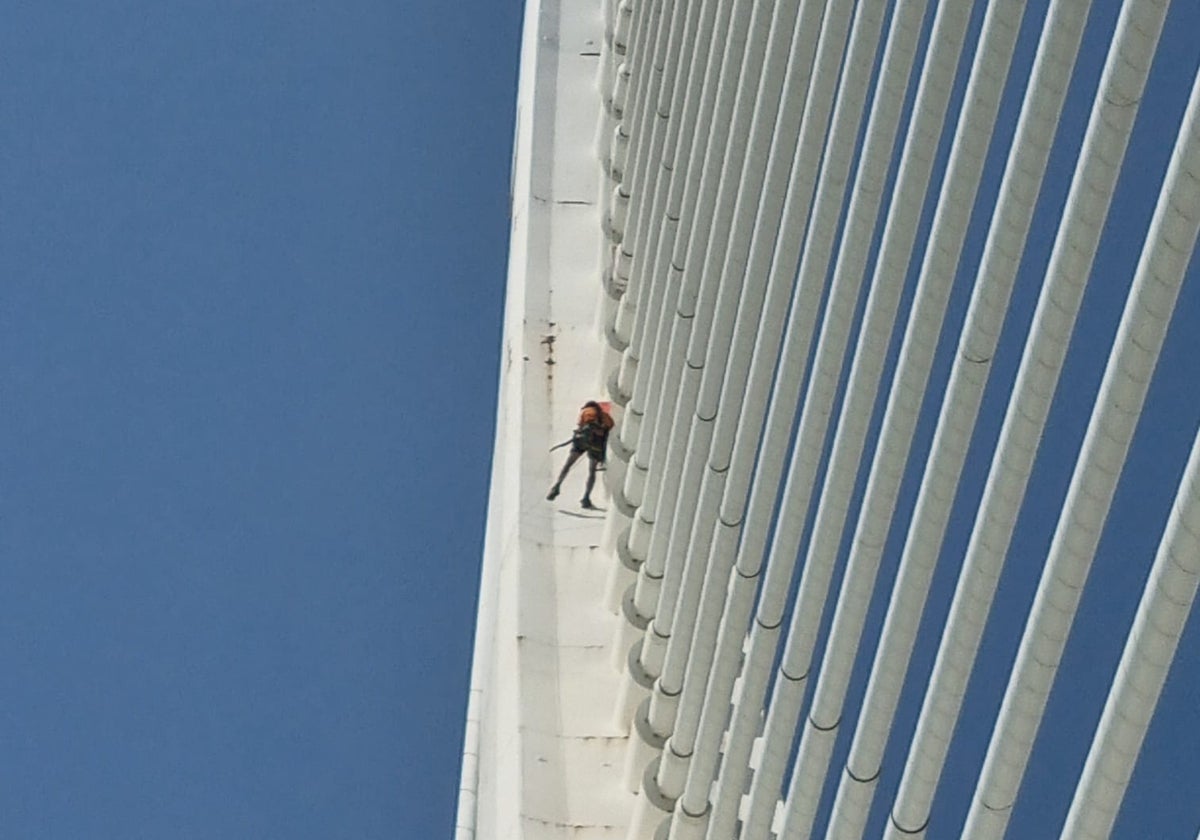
(252, 262)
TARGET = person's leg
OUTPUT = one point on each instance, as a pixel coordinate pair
(571, 459)
(591, 482)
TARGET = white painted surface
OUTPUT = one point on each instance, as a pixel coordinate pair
(548, 751)
(540, 728)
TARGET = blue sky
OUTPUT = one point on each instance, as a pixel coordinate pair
(253, 260)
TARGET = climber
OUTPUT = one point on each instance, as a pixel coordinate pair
(591, 437)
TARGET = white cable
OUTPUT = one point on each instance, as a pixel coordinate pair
(1091, 192)
(637, 75)
(654, 388)
(964, 170)
(648, 186)
(710, 597)
(945, 44)
(688, 112)
(718, 294)
(864, 207)
(1139, 340)
(1164, 609)
(780, 271)
(1023, 176)
(881, 133)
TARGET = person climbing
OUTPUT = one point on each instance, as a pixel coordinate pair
(591, 437)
